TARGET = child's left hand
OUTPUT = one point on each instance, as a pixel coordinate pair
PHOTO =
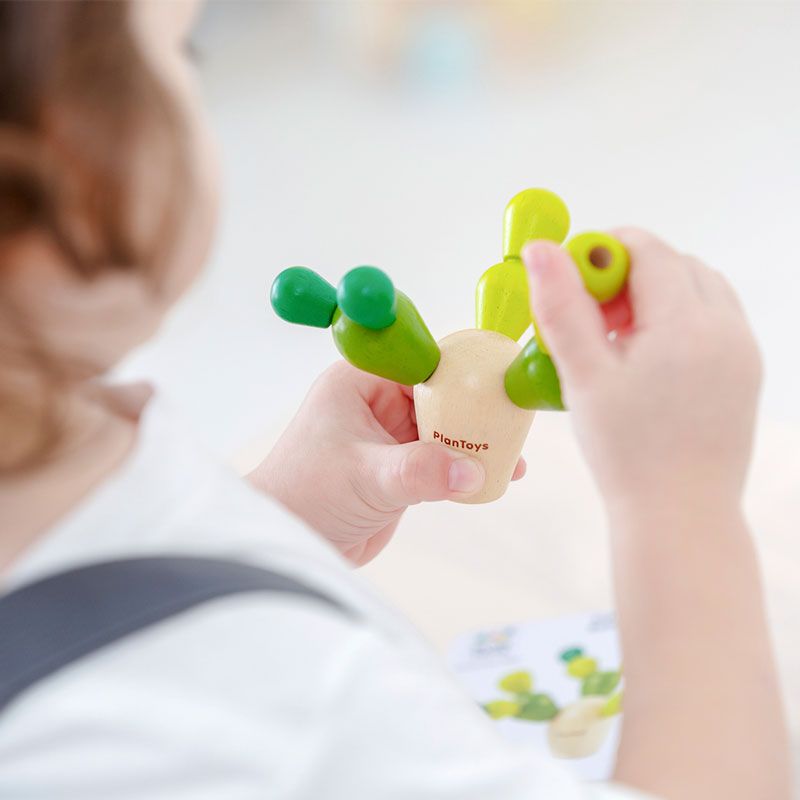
(350, 463)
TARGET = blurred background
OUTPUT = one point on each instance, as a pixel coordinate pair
(393, 134)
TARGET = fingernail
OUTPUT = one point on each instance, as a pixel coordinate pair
(537, 258)
(465, 475)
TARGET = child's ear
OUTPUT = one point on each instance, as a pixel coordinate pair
(84, 324)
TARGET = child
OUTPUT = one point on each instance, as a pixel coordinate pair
(106, 205)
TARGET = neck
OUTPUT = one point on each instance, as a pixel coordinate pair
(97, 432)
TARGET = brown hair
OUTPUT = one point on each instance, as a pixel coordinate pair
(76, 100)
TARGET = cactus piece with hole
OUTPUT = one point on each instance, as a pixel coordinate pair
(531, 380)
(603, 264)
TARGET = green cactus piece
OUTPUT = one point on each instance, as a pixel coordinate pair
(581, 667)
(301, 296)
(602, 261)
(367, 296)
(613, 706)
(404, 352)
(516, 682)
(497, 709)
(533, 214)
(538, 708)
(501, 299)
(531, 380)
(600, 683)
(572, 652)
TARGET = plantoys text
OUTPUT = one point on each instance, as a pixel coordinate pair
(459, 443)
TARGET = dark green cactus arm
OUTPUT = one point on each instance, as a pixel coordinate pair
(571, 652)
(301, 296)
(367, 296)
(602, 261)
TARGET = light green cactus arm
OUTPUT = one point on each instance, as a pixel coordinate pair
(531, 380)
(533, 214)
(603, 264)
(584, 668)
(499, 709)
(517, 682)
(501, 297)
(613, 706)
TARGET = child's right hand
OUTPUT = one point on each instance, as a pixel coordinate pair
(665, 413)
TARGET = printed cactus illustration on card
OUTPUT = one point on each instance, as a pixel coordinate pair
(576, 729)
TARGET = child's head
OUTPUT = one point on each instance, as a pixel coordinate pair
(107, 190)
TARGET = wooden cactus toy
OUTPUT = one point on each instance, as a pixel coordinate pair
(476, 390)
(464, 406)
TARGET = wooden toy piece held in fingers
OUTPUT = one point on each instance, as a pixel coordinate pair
(464, 405)
(603, 264)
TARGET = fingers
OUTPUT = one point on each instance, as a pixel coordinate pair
(569, 319)
(713, 285)
(660, 282)
(520, 469)
(617, 312)
(406, 474)
(664, 282)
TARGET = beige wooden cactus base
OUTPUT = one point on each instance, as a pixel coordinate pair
(464, 405)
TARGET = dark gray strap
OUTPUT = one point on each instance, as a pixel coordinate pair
(51, 623)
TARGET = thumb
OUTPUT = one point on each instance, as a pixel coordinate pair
(568, 317)
(405, 474)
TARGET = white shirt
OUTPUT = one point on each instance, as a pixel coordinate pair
(252, 696)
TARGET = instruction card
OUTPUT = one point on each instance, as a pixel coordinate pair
(553, 685)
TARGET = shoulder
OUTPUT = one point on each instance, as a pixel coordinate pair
(230, 687)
